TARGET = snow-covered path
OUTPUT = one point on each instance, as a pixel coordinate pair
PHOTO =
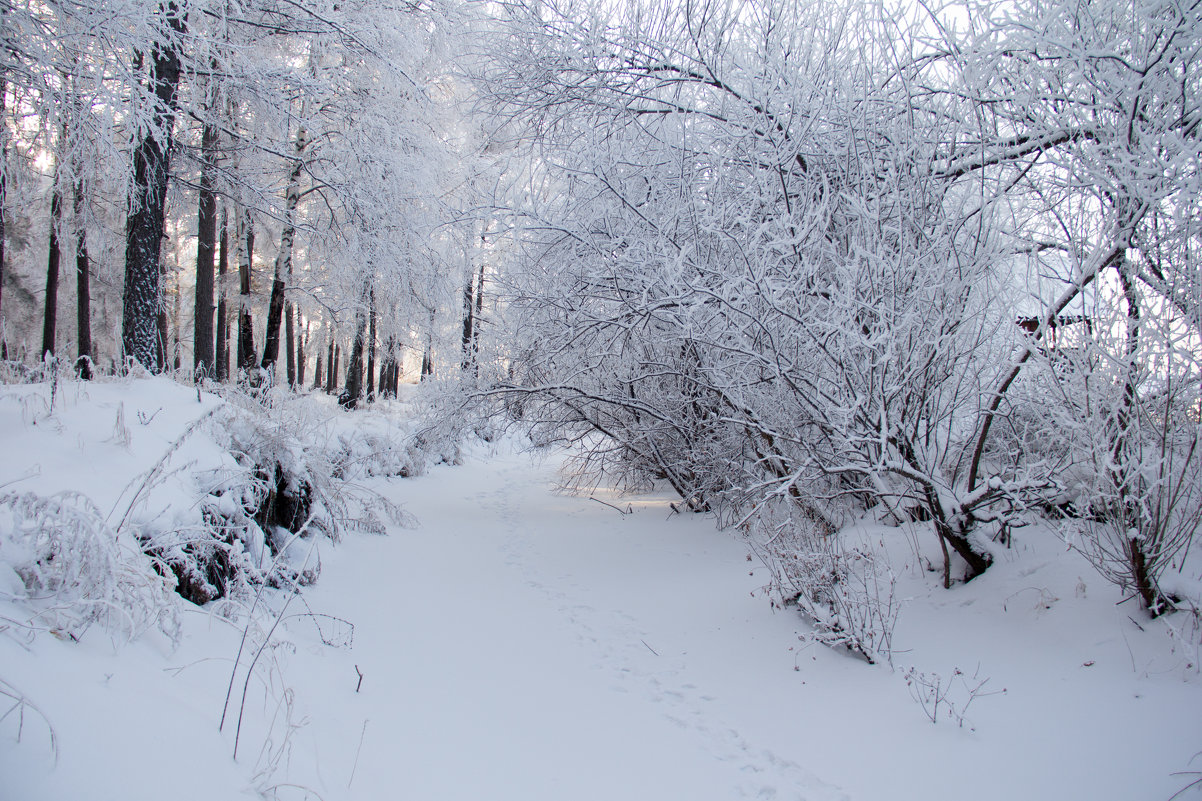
(523, 645)
(537, 646)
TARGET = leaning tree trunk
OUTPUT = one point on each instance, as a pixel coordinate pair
(203, 358)
(144, 225)
(83, 288)
(50, 318)
(283, 260)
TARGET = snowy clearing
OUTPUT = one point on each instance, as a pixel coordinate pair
(520, 643)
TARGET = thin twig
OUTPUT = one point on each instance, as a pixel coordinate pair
(619, 510)
(362, 732)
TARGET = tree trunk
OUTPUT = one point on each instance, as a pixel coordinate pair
(290, 344)
(353, 393)
(162, 338)
(83, 289)
(271, 334)
(428, 352)
(144, 224)
(317, 370)
(50, 318)
(468, 320)
(223, 329)
(302, 341)
(371, 347)
(476, 320)
(283, 258)
(177, 317)
(3, 200)
(246, 335)
(203, 358)
(330, 366)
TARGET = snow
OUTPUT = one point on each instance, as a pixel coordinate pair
(520, 643)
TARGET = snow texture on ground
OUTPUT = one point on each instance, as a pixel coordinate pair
(525, 644)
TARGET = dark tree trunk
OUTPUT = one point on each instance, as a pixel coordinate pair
(428, 352)
(290, 344)
(353, 392)
(223, 329)
(162, 337)
(144, 225)
(3, 199)
(371, 347)
(283, 261)
(246, 336)
(333, 378)
(275, 316)
(468, 321)
(83, 288)
(203, 358)
(50, 318)
(302, 341)
(479, 315)
(330, 366)
(176, 319)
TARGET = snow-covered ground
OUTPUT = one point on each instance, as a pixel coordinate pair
(519, 643)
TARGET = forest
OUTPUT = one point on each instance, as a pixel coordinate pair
(802, 262)
(904, 297)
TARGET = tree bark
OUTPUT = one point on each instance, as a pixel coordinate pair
(302, 341)
(223, 329)
(469, 307)
(371, 347)
(353, 391)
(203, 358)
(246, 335)
(83, 288)
(144, 224)
(50, 317)
(291, 344)
(283, 258)
(3, 200)
(476, 320)
(330, 366)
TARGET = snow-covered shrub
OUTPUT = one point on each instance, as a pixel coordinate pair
(1126, 402)
(847, 593)
(75, 570)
